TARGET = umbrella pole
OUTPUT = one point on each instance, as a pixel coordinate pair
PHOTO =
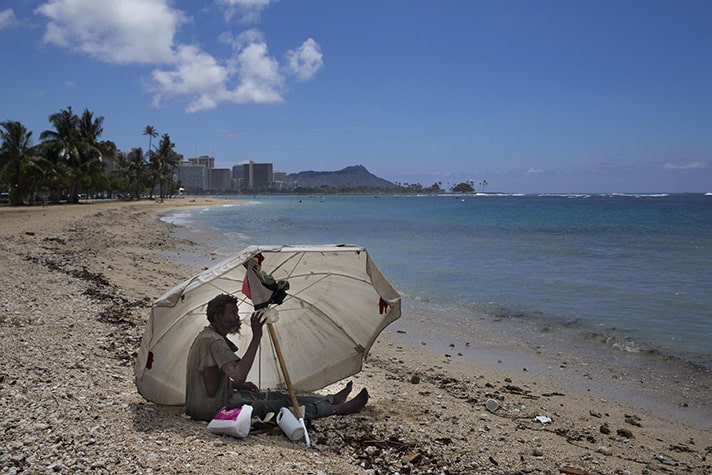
(285, 373)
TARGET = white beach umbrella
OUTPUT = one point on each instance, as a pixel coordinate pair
(337, 304)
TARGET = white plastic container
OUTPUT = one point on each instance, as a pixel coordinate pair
(290, 425)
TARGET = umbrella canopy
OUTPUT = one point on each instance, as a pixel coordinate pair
(337, 304)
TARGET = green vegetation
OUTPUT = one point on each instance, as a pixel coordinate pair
(361, 190)
(405, 189)
(467, 187)
(71, 161)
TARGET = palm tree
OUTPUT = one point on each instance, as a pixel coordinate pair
(151, 132)
(133, 168)
(91, 152)
(76, 140)
(56, 178)
(153, 169)
(163, 162)
(63, 142)
(20, 167)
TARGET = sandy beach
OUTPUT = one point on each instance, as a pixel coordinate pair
(77, 285)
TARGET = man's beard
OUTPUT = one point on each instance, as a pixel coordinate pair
(234, 329)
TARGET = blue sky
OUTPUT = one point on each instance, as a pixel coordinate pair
(531, 96)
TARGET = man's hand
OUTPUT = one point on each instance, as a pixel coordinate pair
(257, 323)
(238, 370)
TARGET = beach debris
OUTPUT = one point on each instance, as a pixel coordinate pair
(543, 419)
(633, 420)
(415, 379)
(671, 462)
(492, 405)
(681, 447)
(625, 433)
(604, 429)
(411, 457)
(511, 388)
(604, 450)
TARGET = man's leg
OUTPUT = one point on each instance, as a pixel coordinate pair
(323, 406)
(265, 402)
(314, 406)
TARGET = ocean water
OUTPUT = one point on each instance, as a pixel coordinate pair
(631, 274)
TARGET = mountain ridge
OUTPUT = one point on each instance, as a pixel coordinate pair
(351, 176)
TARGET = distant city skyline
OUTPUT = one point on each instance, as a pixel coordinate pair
(551, 96)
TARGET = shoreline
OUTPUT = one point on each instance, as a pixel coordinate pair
(575, 358)
(669, 387)
(80, 280)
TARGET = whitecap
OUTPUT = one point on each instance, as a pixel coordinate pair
(642, 195)
(179, 218)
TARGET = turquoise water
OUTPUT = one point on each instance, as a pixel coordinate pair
(633, 270)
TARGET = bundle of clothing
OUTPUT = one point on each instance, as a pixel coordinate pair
(261, 287)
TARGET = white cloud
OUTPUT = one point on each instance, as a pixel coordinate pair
(305, 61)
(260, 80)
(534, 171)
(250, 76)
(128, 31)
(143, 32)
(692, 165)
(7, 18)
(197, 75)
(249, 10)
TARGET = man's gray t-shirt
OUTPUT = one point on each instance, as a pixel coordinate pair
(209, 349)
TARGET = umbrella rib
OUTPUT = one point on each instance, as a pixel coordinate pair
(331, 274)
(287, 260)
(296, 258)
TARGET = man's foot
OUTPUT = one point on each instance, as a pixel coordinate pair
(353, 406)
(340, 397)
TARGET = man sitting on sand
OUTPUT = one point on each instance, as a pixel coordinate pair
(217, 377)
